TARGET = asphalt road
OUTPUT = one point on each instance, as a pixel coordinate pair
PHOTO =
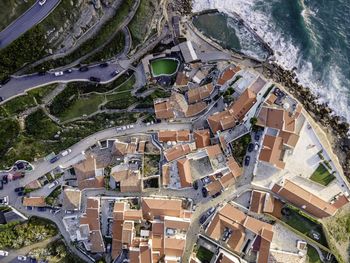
(30, 18)
(18, 85)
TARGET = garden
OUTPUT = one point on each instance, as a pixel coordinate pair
(322, 175)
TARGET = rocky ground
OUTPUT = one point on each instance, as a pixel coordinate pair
(184, 7)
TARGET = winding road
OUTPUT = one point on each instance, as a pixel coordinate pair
(26, 21)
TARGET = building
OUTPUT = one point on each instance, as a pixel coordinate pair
(228, 75)
(174, 136)
(202, 138)
(303, 199)
(241, 233)
(126, 179)
(188, 52)
(234, 114)
(71, 199)
(88, 176)
(198, 94)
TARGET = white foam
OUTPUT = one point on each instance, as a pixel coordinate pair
(329, 87)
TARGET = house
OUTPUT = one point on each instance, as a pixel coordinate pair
(303, 199)
(184, 169)
(88, 176)
(234, 114)
(198, 94)
(242, 228)
(34, 201)
(71, 199)
(126, 179)
(188, 52)
(163, 109)
(174, 136)
(177, 152)
(202, 138)
(228, 75)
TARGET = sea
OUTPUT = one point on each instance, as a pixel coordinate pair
(310, 36)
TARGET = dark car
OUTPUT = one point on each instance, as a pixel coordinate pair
(247, 160)
(21, 193)
(195, 185)
(19, 189)
(33, 260)
(257, 136)
(68, 71)
(54, 159)
(29, 208)
(41, 209)
(204, 192)
(104, 65)
(84, 69)
(1, 99)
(216, 195)
(95, 79)
(42, 73)
(5, 179)
(203, 218)
(250, 147)
(1, 185)
(114, 73)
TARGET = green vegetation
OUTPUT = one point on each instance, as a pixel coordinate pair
(14, 8)
(268, 91)
(120, 100)
(40, 126)
(204, 255)
(97, 40)
(8, 134)
(322, 175)
(151, 164)
(64, 100)
(339, 226)
(304, 224)
(240, 147)
(42, 92)
(18, 104)
(56, 251)
(164, 66)
(141, 22)
(51, 199)
(112, 49)
(147, 102)
(33, 45)
(83, 106)
(312, 254)
(15, 235)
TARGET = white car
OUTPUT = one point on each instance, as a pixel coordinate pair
(66, 152)
(42, 2)
(4, 253)
(22, 258)
(58, 73)
(4, 200)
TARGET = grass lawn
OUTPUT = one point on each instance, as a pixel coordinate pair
(164, 66)
(42, 92)
(120, 100)
(322, 175)
(312, 255)
(204, 255)
(304, 225)
(82, 106)
(18, 104)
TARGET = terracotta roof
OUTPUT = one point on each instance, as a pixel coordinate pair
(227, 180)
(71, 199)
(228, 75)
(271, 99)
(176, 223)
(234, 167)
(289, 122)
(120, 148)
(290, 139)
(130, 181)
(264, 251)
(181, 79)
(271, 151)
(257, 85)
(305, 200)
(184, 169)
(163, 110)
(269, 203)
(271, 117)
(257, 202)
(177, 152)
(340, 201)
(128, 232)
(202, 138)
(34, 201)
(195, 109)
(214, 187)
(216, 120)
(174, 247)
(142, 146)
(174, 136)
(152, 207)
(213, 151)
(145, 253)
(200, 93)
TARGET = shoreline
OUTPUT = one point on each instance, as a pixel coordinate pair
(335, 128)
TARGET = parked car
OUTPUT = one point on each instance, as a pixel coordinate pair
(66, 152)
(1, 185)
(95, 79)
(53, 184)
(104, 65)
(247, 160)
(5, 179)
(217, 194)
(195, 185)
(68, 71)
(250, 147)
(58, 73)
(42, 2)
(22, 258)
(115, 73)
(4, 253)
(4, 200)
(19, 189)
(29, 208)
(41, 209)
(256, 146)
(54, 159)
(204, 192)
(21, 193)
(203, 218)
(1, 99)
(84, 69)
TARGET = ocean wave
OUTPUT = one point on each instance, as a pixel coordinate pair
(329, 85)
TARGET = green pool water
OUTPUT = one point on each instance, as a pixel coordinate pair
(164, 66)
